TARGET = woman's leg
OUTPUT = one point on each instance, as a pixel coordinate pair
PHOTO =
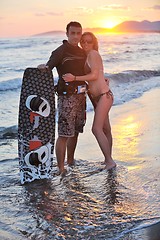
(108, 133)
(101, 112)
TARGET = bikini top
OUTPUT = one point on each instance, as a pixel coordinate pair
(87, 68)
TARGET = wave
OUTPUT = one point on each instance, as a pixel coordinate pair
(133, 75)
(9, 132)
(8, 160)
(27, 43)
(20, 46)
(128, 85)
(122, 77)
(15, 43)
(11, 84)
(128, 91)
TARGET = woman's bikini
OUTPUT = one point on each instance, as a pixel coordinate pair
(97, 98)
(109, 94)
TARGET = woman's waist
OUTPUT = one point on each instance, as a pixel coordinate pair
(95, 91)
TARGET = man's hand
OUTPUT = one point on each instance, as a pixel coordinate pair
(43, 67)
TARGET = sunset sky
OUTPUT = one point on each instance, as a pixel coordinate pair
(27, 17)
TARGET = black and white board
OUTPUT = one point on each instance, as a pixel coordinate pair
(36, 125)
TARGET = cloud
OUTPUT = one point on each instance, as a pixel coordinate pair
(48, 14)
(115, 7)
(54, 13)
(39, 14)
(83, 10)
(155, 7)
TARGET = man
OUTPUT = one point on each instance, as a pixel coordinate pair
(69, 58)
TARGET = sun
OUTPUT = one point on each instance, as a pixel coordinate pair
(109, 24)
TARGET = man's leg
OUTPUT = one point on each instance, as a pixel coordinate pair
(71, 146)
(61, 144)
(79, 103)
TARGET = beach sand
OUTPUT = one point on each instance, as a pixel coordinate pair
(136, 141)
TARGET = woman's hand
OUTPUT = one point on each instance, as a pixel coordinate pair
(68, 77)
(107, 81)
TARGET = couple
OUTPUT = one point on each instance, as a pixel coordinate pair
(76, 65)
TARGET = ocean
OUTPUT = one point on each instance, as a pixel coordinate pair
(88, 204)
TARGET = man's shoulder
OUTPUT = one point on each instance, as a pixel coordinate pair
(59, 49)
(64, 46)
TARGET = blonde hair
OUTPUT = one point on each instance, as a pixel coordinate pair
(94, 39)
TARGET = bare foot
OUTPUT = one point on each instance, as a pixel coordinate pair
(71, 163)
(109, 164)
(103, 163)
(66, 172)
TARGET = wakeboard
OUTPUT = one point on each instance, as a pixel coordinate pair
(36, 125)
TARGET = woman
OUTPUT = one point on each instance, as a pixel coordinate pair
(100, 92)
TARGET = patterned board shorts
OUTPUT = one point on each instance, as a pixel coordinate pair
(71, 114)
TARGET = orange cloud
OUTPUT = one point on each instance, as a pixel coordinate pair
(48, 14)
(84, 10)
(156, 7)
(115, 7)
(55, 14)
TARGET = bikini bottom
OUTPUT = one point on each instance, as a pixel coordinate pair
(108, 94)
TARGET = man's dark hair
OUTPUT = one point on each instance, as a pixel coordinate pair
(73, 24)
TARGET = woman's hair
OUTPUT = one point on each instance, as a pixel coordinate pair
(94, 39)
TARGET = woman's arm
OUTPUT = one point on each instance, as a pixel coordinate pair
(94, 61)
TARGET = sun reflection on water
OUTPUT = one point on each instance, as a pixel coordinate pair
(127, 133)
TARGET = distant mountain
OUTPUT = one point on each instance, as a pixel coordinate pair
(134, 26)
(127, 26)
(48, 33)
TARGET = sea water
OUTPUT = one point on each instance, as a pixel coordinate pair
(131, 62)
(74, 208)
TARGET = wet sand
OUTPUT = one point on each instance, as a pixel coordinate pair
(136, 141)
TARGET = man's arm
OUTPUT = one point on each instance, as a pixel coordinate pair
(54, 60)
